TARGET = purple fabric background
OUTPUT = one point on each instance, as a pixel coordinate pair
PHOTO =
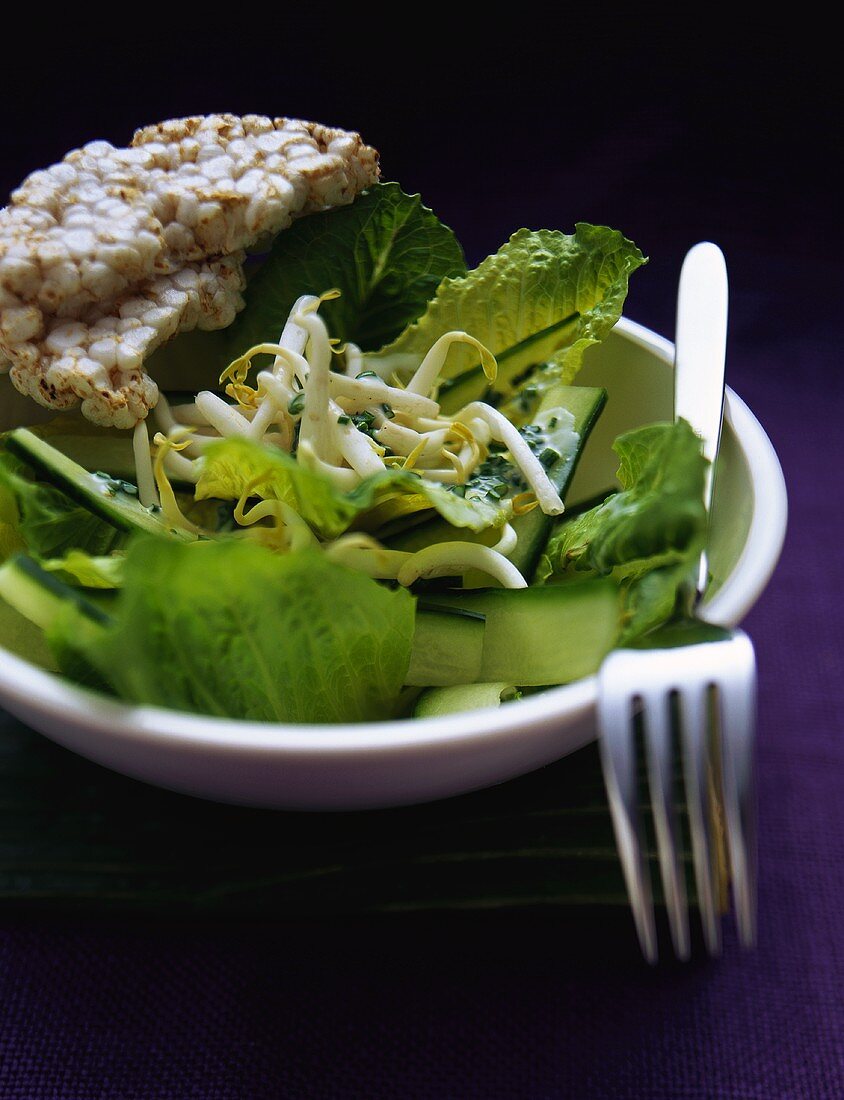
(672, 141)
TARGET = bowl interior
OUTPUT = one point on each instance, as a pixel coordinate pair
(391, 763)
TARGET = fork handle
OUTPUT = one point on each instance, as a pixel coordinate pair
(700, 347)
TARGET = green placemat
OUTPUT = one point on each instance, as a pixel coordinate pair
(74, 835)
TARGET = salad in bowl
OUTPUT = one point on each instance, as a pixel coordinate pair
(292, 461)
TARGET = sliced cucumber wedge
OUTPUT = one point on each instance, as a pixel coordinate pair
(447, 647)
(99, 495)
(437, 701)
(533, 529)
(539, 636)
(39, 596)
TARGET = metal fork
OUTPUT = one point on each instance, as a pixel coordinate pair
(690, 690)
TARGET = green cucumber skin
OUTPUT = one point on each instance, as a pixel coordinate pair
(534, 528)
(39, 596)
(435, 702)
(473, 385)
(447, 648)
(123, 512)
(536, 637)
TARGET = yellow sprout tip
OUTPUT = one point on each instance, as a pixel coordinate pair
(414, 456)
(524, 503)
(489, 364)
(462, 432)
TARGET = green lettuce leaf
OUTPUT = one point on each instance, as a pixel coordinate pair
(232, 465)
(231, 629)
(11, 540)
(545, 295)
(649, 535)
(79, 568)
(41, 518)
(386, 252)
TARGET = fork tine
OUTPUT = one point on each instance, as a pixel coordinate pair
(618, 759)
(694, 733)
(659, 755)
(737, 697)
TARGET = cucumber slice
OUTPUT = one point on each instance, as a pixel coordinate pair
(472, 384)
(39, 596)
(534, 528)
(22, 637)
(540, 636)
(437, 701)
(47, 602)
(447, 648)
(99, 496)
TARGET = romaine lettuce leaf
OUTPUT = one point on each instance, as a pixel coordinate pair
(11, 540)
(649, 535)
(87, 571)
(386, 252)
(231, 629)
(544, 295)
(233, 465)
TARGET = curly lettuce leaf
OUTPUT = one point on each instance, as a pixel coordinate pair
(39, 517)
(231, 629)
(386, 252)
(544, 296)
(235, 465)
(649, 535)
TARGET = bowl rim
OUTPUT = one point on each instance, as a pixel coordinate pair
(37, 690)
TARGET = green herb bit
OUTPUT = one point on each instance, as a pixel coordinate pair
(297, 403)
(533, 435)
(344, 419)
(388, 411)
(364, 421)
(367, 374)
(548, 457)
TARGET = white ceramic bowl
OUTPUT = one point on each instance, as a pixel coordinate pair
(390, 763)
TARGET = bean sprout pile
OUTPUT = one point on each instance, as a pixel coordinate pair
(348, 424)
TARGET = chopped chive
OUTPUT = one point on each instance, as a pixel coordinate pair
(364, 421)
(367, 374)
(548, 457)
(388, 411)
(297, 403)
(553, 422)
(344, 419)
